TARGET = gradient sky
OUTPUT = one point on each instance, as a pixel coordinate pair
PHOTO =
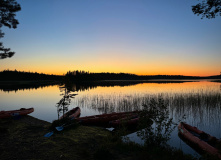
(144, 37)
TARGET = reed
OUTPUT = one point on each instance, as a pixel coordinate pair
(128, 102)
(200, 106)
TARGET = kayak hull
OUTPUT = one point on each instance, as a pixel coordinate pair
(72, 114)
(130, 122)
(105, 119)
(203, 142)
(12, 113)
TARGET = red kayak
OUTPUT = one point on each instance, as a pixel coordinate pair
(74, 113)
(129, 122)
(109, 115)
(20, 112)
(104, 119)
(202, 141)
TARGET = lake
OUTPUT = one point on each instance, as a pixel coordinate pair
(199, 101)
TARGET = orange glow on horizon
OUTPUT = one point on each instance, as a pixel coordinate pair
(141, 74)
(61, 72)
(58, 70)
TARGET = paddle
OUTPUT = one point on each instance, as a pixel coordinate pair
(16, 116)
(60, 128)
(49, 134)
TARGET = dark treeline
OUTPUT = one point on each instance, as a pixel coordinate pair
(81, 80)
(82, 76)
(15, 75)
(79, 76)
(86, 76)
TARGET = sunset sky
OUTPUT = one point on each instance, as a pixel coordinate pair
(144, 37)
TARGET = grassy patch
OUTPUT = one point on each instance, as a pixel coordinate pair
(23, 139)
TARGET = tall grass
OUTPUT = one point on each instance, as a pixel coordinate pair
(200, 105)
(113, 102)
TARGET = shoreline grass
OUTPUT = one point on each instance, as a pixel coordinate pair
(23, 139)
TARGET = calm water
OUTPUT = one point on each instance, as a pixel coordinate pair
(199, 101)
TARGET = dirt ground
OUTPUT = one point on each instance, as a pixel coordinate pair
(23, 139)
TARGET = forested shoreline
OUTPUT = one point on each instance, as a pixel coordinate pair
(8, 75)
(82, 76)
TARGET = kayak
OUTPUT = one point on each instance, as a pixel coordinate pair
(203, 142)
(72, 114)
(12, 113)
(104, 120)
(130, 122)
(109, 115)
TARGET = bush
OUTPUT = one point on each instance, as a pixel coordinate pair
(155, 124)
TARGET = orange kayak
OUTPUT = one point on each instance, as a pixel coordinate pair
(20, 112)
(202, 141)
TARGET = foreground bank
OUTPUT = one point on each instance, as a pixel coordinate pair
(23, 139)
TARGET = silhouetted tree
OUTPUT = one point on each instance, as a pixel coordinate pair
(208, 8)
(156, 123)
(8, 8)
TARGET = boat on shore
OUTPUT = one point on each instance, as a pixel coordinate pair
(104, 120)
(72, 114)
(129, 122)
(13, 113)
(201, 141)
(109, 114)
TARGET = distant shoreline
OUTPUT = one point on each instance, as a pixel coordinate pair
(21, 82)
(81, 76)
(8, 86)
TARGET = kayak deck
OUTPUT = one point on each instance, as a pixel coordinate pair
(20, 112)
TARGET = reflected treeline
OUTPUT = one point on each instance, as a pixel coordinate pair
(81, 80)
(16, 86)
(218, 81)
(87, 85)
(74, 86)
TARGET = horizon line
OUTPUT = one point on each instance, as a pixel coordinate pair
(111, 73)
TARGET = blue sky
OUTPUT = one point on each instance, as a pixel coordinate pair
(134, 36)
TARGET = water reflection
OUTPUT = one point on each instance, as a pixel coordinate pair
(23, 85)
(83, 86)
(64, 102)
(199, 101)
(79, 86)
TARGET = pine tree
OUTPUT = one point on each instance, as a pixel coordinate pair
(8, 8)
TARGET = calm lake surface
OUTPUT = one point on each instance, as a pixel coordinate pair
(199, 101)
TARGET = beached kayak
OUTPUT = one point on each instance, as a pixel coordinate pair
(109, 114)
(104, 120)
(20, 112)
(201, 141)
(72, 114)
(130, 122)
